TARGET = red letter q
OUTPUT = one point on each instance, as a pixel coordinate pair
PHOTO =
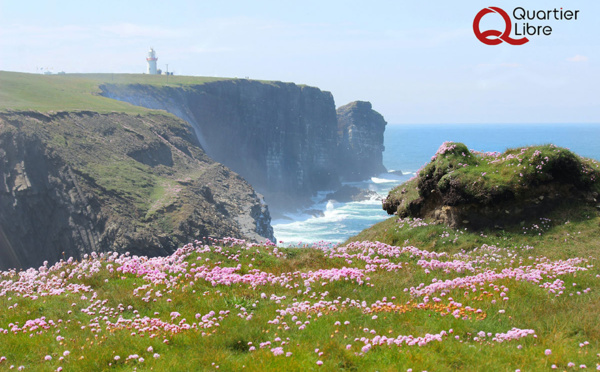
(495, 37)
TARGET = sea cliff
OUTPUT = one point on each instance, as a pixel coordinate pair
(73, 183)
(287, 140)
(82, 170)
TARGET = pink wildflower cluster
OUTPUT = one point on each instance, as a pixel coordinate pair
(298, 299)
(444, 148)
(400, 340)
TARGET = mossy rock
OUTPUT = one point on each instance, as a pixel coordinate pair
(465, 187)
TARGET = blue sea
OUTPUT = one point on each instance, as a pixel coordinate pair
(407, 148)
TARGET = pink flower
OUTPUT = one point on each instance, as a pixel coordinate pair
(48, 357)
(548, 352)
(156, 355)
(319, 363)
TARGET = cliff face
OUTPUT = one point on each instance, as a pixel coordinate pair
(283, 138)
(76, 183)
(360, 130)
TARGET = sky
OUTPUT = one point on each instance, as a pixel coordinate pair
(415, 61)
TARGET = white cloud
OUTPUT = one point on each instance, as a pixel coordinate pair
(489, 66)
(24, 35)
(510, 65)
(197, 49)
(126, 30)
(578, 58)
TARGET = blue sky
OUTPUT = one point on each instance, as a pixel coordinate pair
(417, 62)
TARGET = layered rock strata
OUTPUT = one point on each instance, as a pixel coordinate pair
(73, 183)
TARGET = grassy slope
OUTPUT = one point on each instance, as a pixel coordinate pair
(20, 91)
(85, 300)
(566, 323)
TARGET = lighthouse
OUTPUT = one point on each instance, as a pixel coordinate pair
(152, 62)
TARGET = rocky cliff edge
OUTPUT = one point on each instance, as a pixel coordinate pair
(73, 183)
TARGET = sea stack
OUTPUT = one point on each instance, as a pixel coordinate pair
(360, 133)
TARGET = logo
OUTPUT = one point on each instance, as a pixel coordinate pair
(524, 28)
(495, 37)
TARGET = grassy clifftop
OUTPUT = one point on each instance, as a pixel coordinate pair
(21, 91)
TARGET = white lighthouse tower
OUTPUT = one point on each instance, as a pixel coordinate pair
(152, 62)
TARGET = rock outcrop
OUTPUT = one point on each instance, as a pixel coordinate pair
(284, 139)
(73, 183)
(360, 130)
(463, 188)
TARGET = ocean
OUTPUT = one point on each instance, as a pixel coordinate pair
(407, 148)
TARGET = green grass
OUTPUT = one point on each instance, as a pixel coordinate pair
(561, 323)
(130, 180)
(564, 233)
(81, 92)
(76, 92)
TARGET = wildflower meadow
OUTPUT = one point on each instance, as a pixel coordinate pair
(443, 300)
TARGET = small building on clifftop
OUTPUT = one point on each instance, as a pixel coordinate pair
(151, 59)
